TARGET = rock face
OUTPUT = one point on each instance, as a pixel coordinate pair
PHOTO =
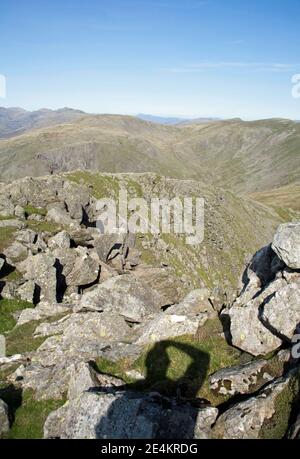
(114, 414)
(4, 421)
(286, 244)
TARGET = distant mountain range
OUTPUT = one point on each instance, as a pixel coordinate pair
(172, 120)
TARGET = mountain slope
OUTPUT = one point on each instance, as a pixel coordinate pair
(246, 157)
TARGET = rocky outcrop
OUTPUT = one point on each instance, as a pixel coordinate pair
(267, 312)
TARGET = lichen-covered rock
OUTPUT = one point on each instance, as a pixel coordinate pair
(165, 326)
(125, 295)
(41, 269)
(58, 214)
(286, 244)
(282, 312)
(11, 224)
(42, 311)
(82, 378)
(20, 212)
(109, 246)
(248, 332)
(114, 414)
(195, 302)
(26, 237)
(244, 379)
(86, 268)
(15, 253)
(61, 240)
(27, 291)
(4, 420)
(264, 416)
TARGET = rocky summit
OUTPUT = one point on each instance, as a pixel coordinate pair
(126, 336)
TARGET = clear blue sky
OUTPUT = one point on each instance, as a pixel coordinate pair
(224, 58)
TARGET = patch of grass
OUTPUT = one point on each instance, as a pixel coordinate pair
(44, 226)
(7, 308)
(30, 417)
(102, 185)
(134, 188)
(13, 275)
(21, 340)
(6, 237)
(117, 369)
(31, 210)
(10, 217)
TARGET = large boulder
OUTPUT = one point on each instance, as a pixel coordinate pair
(124, 295)
(167, 325)
(15, 253)
(58, 214)
(61, 240)
(195, 302)
(248, 332)
(41, 270)
(116, 414)
(286, 244)
(86, 268)
(282, 312)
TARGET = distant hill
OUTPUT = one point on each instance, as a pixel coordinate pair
(16, 121)
(175, 121)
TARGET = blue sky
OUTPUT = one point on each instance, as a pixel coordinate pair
(225, 58)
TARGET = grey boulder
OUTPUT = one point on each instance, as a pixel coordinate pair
(114, 414)
(286, 244)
